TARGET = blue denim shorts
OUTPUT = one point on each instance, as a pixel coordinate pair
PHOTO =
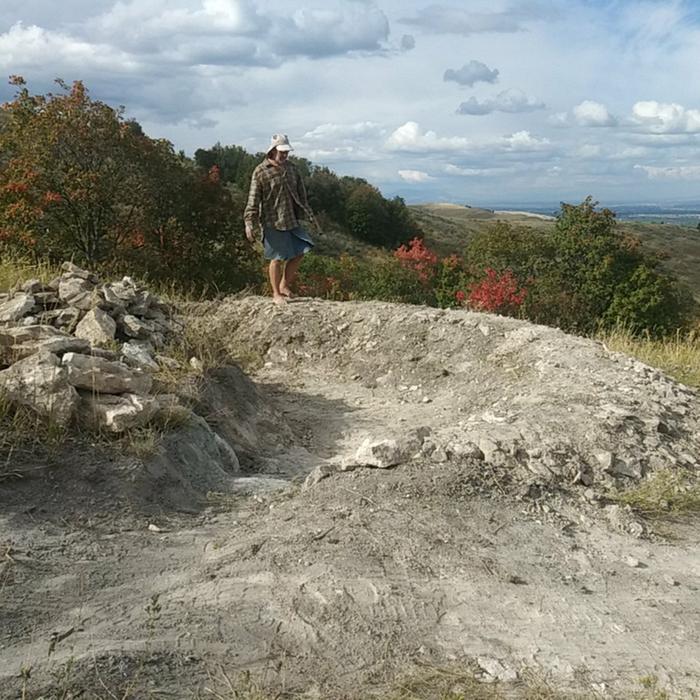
(285, 245)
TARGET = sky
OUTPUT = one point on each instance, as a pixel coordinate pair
(481, 103)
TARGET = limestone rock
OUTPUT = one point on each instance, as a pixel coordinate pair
(33, 286)
(125, 291)
(466, 450)
(318, 474)
(104, 377)
(19, 342)
(72, 270)
(117, 413)
(97, 327)
(139, 354)
(62, 318)
(41, 383)
(135, 327)
(46, 300)
(15, 308)
(389, 453)
(77, 292)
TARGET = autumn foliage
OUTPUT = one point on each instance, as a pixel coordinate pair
(498, 293)
(80, 181)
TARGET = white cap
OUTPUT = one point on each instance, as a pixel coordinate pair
(280, 142)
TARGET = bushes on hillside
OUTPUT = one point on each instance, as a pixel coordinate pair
(79, 181)
(583, 276)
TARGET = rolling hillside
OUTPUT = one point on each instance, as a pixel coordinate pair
(447, 228)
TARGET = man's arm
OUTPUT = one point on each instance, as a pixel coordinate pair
(251, 215)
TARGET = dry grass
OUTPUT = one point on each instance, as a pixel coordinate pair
(431, 682)
(678, 355)
(14, 271)
(666, 493)
(22, 433)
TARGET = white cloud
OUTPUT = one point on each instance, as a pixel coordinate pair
(441, 19)
(409, 138)
(559, 119)
(590, 113)
(663, 118)
(588, 150)
(458, 171)
(415, 176)
(524, 141)
(512, 101)
(451, 169)
(682, 172)
(334, 132)
(28, 47)
(471, 73)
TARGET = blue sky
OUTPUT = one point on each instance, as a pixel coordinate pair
(469, 102)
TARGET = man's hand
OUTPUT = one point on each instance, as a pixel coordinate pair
(250, 233)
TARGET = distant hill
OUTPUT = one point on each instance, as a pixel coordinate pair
(448, 227)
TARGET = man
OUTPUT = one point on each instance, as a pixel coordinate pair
(276, 205)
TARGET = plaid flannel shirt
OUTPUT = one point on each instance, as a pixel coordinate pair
(270, 200)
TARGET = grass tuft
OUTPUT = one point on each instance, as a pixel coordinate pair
(677, 355)
(16, 271)
(665, 493)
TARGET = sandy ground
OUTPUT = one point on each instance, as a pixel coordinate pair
(331, 591)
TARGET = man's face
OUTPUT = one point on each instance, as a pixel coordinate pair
(280, 156)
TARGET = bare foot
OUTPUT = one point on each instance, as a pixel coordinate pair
(286, 292)
(279, 299)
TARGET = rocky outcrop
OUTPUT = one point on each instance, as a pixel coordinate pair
(536, 405)
(80, 348)
(40, 383)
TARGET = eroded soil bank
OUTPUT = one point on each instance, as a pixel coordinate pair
(491, 544)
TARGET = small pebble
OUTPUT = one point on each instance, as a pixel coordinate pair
(632, 562)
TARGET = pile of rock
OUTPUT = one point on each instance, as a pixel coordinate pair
(77, 347)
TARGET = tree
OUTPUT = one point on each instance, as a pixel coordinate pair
(80, 181)
(584, 274)
(71, 177)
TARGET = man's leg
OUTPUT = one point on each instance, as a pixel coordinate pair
(275, 280)
(290, 274)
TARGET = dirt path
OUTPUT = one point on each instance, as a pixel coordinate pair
(333, 590)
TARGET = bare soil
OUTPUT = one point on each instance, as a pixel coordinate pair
(121, 579)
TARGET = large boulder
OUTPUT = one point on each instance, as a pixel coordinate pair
(18, 342)
(97, 327)
(104, 377)
(77, 292)
(41, 383)
(139, 354)
(15, 308)
(117, 413)
(135, 327)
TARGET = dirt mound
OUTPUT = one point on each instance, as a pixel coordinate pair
(554, 408)
(488, 544)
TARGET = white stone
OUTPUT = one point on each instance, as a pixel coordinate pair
(19, 342)
(389, 453)
(135, 328)
(104, 377)
(117, 413)
(76, 292)
(137, 354)
(97, 327)
(15, 308)
(40, 383)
